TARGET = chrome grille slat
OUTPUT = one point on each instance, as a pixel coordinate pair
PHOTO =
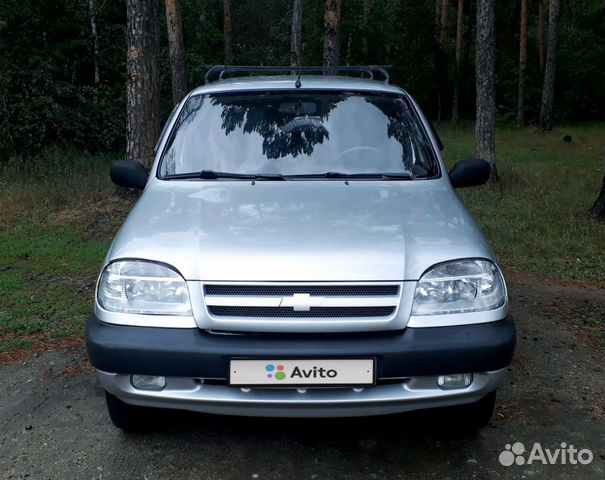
(319, 290)
(315, 301)
(314, 312)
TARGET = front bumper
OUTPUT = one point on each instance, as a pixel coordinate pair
(196, 362)
(410, 394)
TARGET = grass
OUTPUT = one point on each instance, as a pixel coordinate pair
(57, 219)
(47, 278)
(535, 217)
(59, 214)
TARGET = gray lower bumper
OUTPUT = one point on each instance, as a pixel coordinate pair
(411, 394)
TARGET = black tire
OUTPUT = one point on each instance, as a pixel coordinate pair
(128, 418)
(474, 416)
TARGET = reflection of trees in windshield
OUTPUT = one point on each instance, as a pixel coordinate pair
(379, 134)
(285, 131)
(186, 117)
(401, 128)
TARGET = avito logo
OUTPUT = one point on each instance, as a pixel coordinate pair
(278, 372)
(279, 375)
(313, 373)
(567, 454)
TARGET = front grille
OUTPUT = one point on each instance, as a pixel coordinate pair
(314, 301)
(315, 290)
(314, 312)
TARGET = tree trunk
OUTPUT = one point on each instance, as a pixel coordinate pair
(367, 6)
(437, 55)
(227, 31)
(143, 82)
(459, 37)
(542, 30)
(296, 40)
(548, 90)
(522, 64)
(444, 31)
(176, 49)
(95, 45)
(437, 24)
(332, 32)
(442, 58)
(598, 209)
(485, 62)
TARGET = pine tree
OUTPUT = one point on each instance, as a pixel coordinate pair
(522, 63)
(92, 12)
(296, 40)
(548, 89)
(227, 31)
(332, 32)
(143, 82)
(458, 72)
(176, 48)
(485, 62)
(542, 32)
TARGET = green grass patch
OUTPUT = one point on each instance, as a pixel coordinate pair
(47, 279)
(535, 218)
(15, 344)
(58, 215)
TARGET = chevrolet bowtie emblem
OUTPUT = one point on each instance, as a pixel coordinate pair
(300, 302)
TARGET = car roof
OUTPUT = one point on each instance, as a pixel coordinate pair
(286, 82)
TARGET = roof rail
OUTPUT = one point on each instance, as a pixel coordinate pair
(218, 72)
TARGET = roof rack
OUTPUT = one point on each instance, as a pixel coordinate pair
(218, 72)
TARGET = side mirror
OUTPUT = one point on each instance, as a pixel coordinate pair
(127, 173)
(469, 173)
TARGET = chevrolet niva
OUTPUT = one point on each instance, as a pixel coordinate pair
(299, 250)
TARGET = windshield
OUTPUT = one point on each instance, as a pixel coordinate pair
(298, 134)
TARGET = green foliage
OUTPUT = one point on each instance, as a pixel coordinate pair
(581, 60)
(48, 96)
(47, 92)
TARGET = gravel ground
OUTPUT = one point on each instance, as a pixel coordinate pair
(53, 422)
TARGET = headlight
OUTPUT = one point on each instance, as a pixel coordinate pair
(459, 286)
(137, 286)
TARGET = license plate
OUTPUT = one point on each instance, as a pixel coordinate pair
(291, 373)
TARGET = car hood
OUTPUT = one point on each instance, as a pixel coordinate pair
(299, 231)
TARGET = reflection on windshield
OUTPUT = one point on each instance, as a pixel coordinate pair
(285, 131)
(298, 134)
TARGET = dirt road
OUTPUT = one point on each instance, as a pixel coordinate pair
(53, 423)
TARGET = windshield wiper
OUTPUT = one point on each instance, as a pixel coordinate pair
(379, 176)
(213, 175)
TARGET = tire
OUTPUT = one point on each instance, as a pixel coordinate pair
(128, 418)
(474, 416)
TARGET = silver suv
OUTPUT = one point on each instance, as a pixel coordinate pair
(299, 251)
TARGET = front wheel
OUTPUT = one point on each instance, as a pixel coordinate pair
(474, 416)
(128, 418)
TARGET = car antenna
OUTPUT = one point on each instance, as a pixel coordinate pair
(297, 84)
